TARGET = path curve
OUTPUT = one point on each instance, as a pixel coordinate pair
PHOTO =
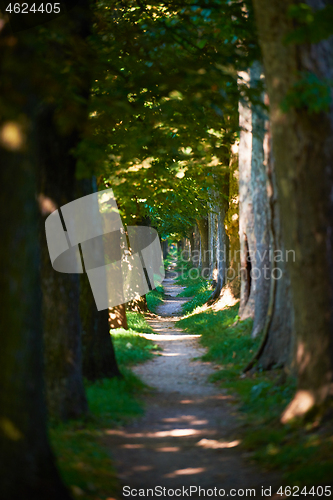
(189, 434)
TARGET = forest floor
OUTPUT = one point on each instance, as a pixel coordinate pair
(189, 435)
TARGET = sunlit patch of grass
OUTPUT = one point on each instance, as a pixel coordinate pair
(197, 301)
(227, 340)
(137, 323)
(193, 290)
(155, 298)
(131, 348)
(302, 454)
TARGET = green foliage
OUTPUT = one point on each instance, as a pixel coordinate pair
(312, 26)
(155, 298)
(310, 93)
(131, 348)
(164, 103)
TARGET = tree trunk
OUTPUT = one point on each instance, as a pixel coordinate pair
(27, 463)
(117, 317)
(303, 152)
(259, 185)
(62, 327)
(165, 248)
(98, 356)
(246, 215)
(222, 246)
(204, 248)
(212, 241)
(276, 348)
(192, 245)
(231, 220)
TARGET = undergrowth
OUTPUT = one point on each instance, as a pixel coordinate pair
(303, 454)
(84, 462)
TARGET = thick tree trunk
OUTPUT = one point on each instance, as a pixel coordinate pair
(259, 185)
(61, 320)
(98, 356)
(303, 151)
(192, 245)
(276, 348)
(231, 221)
(212, 241)
(196, 257)
(165, 248)
(117, 317)
(27, 464)
(138, 305)
(204, 248)
(246, 215)
(220, 243)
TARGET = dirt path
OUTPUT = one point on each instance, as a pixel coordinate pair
(188, 436)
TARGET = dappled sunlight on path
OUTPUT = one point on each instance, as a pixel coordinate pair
(189, 435)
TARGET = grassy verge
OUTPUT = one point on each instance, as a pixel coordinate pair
(303, 453)
(84, 463)
(198, 288)
(155, 298)
(130, 347)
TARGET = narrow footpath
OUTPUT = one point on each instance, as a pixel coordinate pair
(189, 435)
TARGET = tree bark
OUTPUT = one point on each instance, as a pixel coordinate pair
(27, 463)
(303, 152)
(61, 320)
(277, 348)
(212, 240)
(232, 218)
(98, 356)
(165, 248)
(259, 184)
(246, 215)
(191, 238)
(204, 248)
(117, 317)
(220, 242)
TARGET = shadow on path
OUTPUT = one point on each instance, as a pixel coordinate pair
(189, 435)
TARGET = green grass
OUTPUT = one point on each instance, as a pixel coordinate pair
(84, 462)
(303, 455)
(226, 343)
(130, 347)
(198, 300)
(155, 298)
(197, 287)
